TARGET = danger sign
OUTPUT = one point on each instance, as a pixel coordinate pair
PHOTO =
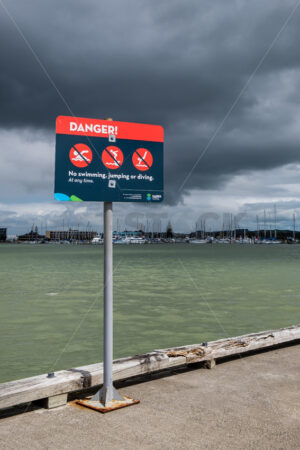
(106, 160)
(112, 157)
(81, 155)
(142, 159)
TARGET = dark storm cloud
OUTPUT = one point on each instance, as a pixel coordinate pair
(181, 64)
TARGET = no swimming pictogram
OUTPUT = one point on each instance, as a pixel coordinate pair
(112, 157)
(80, 155)
(142, 159)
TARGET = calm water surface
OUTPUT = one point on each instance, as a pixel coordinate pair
(165, 295)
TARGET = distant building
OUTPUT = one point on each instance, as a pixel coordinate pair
(3, 234)
(31, 236)
(70, 235)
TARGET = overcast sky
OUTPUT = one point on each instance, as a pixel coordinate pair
(222, 77)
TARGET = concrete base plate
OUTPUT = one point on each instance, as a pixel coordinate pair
(110, 406)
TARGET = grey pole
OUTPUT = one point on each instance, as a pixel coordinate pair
(107, 393)
(108, 301)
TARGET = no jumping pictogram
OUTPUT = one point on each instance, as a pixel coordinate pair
(112, 157)
(142, 159)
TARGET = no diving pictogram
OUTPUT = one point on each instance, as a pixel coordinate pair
(142, 159)
(80, 155)
(112, 157)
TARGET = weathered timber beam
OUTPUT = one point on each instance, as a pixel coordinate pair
(236, 345)
(41, 387)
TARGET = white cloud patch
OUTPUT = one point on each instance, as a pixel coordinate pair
(26, 165)
(251, 194)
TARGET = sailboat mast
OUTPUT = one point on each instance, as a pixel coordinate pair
(275, 222)
(294, 226)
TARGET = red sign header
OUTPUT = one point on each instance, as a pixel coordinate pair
(103, 128)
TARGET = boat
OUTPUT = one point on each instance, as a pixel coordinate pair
(134, 240)
(130, 240)
(198, 241)
(97, 240)
(223, 241)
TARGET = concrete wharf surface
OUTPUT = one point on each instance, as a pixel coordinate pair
(246, 403)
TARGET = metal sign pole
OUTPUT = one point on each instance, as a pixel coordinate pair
(107, 394)
(108, 303)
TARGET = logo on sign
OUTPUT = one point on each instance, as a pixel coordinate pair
(156, 197)
(142, 159)
(112, 157)
(80, 155)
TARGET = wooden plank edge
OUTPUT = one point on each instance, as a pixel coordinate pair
(39, 387)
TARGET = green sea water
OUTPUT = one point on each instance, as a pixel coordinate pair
(164, 295)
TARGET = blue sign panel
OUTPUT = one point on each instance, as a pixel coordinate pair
(100, 160)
